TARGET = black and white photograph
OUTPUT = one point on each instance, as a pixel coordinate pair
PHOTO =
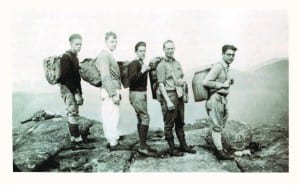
(140, 89)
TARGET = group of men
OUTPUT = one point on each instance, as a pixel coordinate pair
(171, 83)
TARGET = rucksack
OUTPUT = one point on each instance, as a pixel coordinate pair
(201, 92)
(52, 68)
(123, 66)
(153, 75)
(89, 72)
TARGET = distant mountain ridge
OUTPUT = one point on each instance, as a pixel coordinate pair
(270, 62)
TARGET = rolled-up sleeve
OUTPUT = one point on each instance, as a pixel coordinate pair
(161, 73)
(103, 65)
(210, 79)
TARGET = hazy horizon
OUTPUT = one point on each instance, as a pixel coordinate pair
(253, 99)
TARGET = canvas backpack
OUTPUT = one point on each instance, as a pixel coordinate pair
(123, 66)
(52, 69)
(201, 92)
(153, 75)
(89, 72)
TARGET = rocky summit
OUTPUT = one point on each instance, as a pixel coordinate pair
(44, 145)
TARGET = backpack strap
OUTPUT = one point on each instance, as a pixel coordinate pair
(226, 73)
(67, 53)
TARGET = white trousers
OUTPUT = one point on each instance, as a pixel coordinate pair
(110, 117)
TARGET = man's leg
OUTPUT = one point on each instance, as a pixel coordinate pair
(110, 118)
(216, 112)
(226, 115)
(139, 102)
(169, 120)
(179, 128)
(72, 113)
(132, 100)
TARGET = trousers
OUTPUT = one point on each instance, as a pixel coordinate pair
(72, 109)
(216, 107)
(110, 117)
(173, 117)
(138, 100)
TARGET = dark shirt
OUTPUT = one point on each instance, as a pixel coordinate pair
(70, 72)
(137, 79)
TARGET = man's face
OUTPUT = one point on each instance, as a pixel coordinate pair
(169, 49)
(228, 56)
(141, 52)
(111, 43)
(76, 45)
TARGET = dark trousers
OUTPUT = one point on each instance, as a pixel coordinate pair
(173, 117)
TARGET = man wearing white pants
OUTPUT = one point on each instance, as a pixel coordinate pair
(111, 84)
(110, 118)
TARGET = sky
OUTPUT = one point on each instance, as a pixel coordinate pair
(260, 35)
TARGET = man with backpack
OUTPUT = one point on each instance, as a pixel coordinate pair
(70, 89)
(218, 82)
(170, 95)
(110, 95)
(138, 75)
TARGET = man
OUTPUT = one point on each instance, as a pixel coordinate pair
(137, 74)
(111, 85)
(171, 83)
(218, 82)
(70, 88)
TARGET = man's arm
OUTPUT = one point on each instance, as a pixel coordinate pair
(161, 77)
(210, 79)
(103, 65)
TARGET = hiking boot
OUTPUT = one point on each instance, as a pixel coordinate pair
(183, 146)
(150, 148)
(222, 155)
(117, 147)
(176, 153)
(187, 149)
(143, 131)
(81, 146)
(90, 139)
(146, 151)
(172, 150)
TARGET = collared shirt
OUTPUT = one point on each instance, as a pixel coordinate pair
(168, 71)
(110, 72)
(137, 79)
(217, 75)
(109, 51)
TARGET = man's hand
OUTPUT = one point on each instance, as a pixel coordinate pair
(226, 84)
(145, 68)
(231, 81)
(116, 99)
(170, 105)
(79, 99)
(180, 82)
(185, 99)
